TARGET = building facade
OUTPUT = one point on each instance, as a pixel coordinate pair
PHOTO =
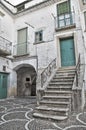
(32, 35)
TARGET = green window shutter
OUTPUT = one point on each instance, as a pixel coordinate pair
(22, 36)
(22, 42)
(63, 8)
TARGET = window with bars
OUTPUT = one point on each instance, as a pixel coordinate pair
(39, 36)
(64, 14)
(63, 8)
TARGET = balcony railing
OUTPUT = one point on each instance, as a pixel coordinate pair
(5, 46)
(21, 49)
(65, 20)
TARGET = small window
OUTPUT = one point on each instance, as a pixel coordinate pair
(27, 79)
(39, 36)
(20, 8)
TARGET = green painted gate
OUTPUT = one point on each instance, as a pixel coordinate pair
(67, 52)
(3, 85)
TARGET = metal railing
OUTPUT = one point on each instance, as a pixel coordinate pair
(21, 49)
(5, 45)
(77, 72)
(65, 20)
(47, 72)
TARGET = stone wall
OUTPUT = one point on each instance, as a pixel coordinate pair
(23, 74)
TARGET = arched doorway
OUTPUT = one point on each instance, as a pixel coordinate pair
(26, 80)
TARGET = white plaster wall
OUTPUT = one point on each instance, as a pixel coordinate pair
(82, 23)
(12, 84)
(32, 62)
(7, 31)
(43, 19)
(7, 63)
(11, 80)
(13, 77)
(6, 26)
(81, 9)
(9, 6)
(40, 19)
(76, 32)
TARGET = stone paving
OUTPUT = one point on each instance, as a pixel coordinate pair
(16, 114)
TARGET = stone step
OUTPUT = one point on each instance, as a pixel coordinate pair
(59, 88)
(64, 74)
(59, 104)
(60, 83)
(52, 110)
(50, 117)
(57, 93)
(68, 68)
(63, 77)
(62, 92)
(57, 98)
(61, 97)
(62, 80)
(65, 71)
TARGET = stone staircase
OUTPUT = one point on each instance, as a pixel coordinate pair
(56, 102)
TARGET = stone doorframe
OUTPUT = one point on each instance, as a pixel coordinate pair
(57, 40)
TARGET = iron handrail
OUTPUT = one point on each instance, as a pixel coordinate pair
(77, 72)
(47, 72)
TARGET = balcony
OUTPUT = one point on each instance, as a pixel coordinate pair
(20, 49)
(5, 47)
(65, 21)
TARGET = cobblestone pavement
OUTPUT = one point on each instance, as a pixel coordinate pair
(16, 114)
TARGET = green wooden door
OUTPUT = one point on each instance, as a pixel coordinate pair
(67, 52)
(3, 85)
